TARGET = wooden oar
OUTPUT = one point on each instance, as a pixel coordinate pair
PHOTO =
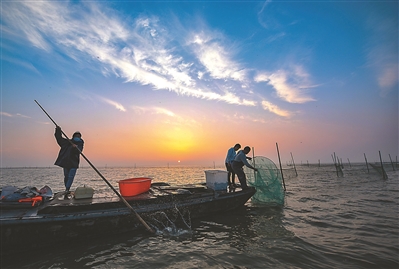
(106, 181)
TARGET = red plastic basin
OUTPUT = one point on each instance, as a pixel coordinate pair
(134, 186)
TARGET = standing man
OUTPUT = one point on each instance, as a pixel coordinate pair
(68, 157)
(238, 164)
(231, 154)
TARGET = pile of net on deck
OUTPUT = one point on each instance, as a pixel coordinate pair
(268, 181)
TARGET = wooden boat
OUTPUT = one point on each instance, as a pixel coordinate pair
(72, 220)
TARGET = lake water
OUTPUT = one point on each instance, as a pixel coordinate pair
(326, 222)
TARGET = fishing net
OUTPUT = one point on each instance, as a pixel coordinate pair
(267, 181)
(380, 169)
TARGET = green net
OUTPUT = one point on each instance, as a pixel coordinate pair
(267, 181)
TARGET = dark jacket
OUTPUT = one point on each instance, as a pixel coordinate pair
(68, 157)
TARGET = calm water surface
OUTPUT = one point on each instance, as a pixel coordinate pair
(326, 222)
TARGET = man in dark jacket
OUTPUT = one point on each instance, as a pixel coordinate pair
(68, 157)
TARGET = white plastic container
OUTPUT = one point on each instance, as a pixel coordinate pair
(216, 179)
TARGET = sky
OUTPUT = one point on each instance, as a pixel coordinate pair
(156, 83)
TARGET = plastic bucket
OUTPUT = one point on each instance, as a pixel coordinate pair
(134, 186)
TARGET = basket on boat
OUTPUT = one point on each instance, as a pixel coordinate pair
(134, 186)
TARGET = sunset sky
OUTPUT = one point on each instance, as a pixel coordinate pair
(151, 83)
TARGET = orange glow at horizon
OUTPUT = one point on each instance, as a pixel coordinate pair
(152, 143)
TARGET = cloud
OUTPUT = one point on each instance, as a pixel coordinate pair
(86, 95)
(243, 117)
(290, 85)
(153, 110)
(163, 111)
(388, 76)
(116, 105)
(22, 63)
(264, 18)
(275, 109)
(215, 58)
(382, 52)
(143, 52)
(172, 118)
(5, 114)
(196, 63)
(13, 115)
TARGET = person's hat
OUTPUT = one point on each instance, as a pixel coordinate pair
(76, 133)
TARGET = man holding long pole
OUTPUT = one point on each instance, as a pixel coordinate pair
(103, 178)
(69, 156)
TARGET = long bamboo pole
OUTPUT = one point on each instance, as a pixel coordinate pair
(103, 178)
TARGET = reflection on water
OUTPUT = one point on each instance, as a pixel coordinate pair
(326, 222)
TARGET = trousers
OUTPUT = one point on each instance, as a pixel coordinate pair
(69, 175)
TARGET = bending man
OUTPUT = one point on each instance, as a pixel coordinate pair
(238, 164)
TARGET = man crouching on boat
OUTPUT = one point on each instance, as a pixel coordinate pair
(239, 161)
(68, 157)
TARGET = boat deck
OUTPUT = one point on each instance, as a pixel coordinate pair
(160, 192)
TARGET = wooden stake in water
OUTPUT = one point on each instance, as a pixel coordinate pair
(393, 167)
(253, 160)
(281, 169)
(384, 174)
(367, 165)
(338, 166)
(294, 164)
(335, 163)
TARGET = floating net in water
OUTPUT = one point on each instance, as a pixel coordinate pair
(267, 181)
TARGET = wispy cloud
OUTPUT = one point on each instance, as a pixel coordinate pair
(243, 117)
(264, 17)
(93, 97)
(142, 50)
(215, 57)
(382, 52)
(171, 119)
(275, 109)
(24, 64)
(290, 85)
(18, 115)
(115, 104)
(5, 114)
(153, 110)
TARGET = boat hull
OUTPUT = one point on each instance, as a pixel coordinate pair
(77, 220)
